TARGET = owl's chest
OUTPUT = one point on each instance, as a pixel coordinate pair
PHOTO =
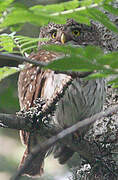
(81, 99)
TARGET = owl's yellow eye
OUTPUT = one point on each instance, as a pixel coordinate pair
(76, 32)
(54, 34)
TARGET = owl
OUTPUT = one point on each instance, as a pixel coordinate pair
(82, 99)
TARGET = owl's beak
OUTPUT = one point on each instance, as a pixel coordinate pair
(63, 38)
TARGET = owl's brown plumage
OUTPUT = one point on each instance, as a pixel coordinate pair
(82, 98)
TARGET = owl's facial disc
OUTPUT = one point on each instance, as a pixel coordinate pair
(59, 34)
(64, 36)
(70, 33)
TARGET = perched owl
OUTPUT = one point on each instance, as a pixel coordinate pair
(82, 99)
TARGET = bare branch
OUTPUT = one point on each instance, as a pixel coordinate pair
(14, 122)
(13, 60)
(51, 141)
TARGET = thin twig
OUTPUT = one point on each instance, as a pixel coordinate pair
(74, 10)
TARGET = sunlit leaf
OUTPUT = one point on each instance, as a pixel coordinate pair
(110, 9)
(55, 7)
(28, 48)
(22, 15)
(6, 42)
(73, 63)
(115, 86)
(96, 75)
(86, 52)
(4, 4)
(108, 59)
(6, 71)
(114, 81)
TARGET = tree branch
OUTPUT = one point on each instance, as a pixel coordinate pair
(18, 122)
(51, 141)
(14, 122)
(13, 60)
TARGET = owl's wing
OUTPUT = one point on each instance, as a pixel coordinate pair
(27, 86)
(30, 84)
(31, 79)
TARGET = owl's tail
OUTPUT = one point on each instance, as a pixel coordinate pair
(35, 168)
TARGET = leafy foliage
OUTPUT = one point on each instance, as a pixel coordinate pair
(83, 59)
(40, 15)
(76, 59)
(4, 4)
(24, 44)
(6, 71)
(7, 43)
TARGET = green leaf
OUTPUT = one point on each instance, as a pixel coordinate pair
(80, 16)
(6, 71)
(75, 49)
(16, 27)
(41, 15)
(115, 86)
(73, 63)
(114, 81)
(96, 75)
(59, 48)
(28, 48)
(22, 15)
(27, 43)
(89, 2)
(24, 40)
(110, 9)
(4, 4)
(55, 7)
(87, 58)
(97, 15)
(86, 52)
(23, 43)
(93, 52)
(107, 1)
(7, 43)
(108, 59)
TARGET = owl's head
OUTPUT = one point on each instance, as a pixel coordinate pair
(72, 32)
